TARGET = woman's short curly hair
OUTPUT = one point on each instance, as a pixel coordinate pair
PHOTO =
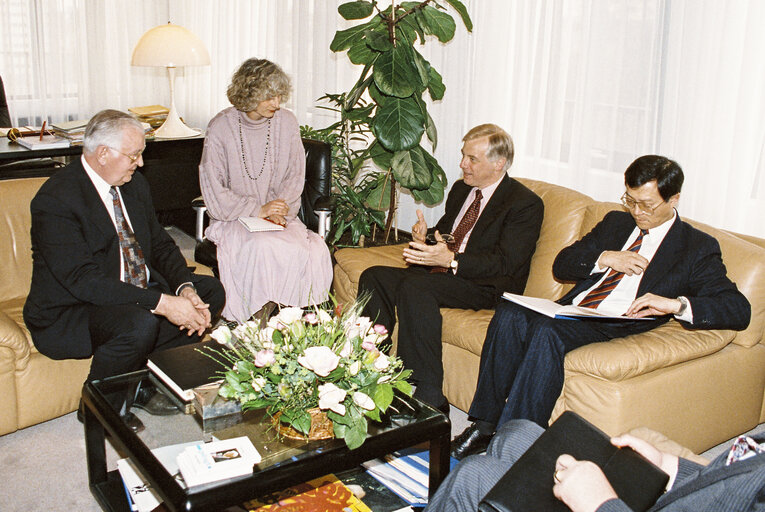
(257, 80)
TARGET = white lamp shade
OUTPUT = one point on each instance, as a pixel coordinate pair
(170, 46)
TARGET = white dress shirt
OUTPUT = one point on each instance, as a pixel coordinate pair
(486, 193)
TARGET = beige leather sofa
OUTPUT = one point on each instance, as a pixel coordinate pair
(33, 388)
(699, 388)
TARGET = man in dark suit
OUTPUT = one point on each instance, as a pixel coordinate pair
(647, 263)
(107, 280)
(723, 485)
(492, 223)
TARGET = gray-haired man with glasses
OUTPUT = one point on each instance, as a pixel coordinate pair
(107, 279)
(644, 262)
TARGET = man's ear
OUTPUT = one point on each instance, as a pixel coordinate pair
(674, 200)
(499, 164)
(101, 154)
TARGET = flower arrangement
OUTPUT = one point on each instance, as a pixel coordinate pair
(322, 358)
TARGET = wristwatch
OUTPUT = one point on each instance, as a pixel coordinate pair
(683, 305)
(453, 264)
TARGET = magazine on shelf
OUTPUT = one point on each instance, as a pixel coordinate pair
(142, 496)
(406, 473)
(260, 224)
(324, 493)
(209, 462)
(554, 310)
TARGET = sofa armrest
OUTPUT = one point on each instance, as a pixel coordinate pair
(13, 337)
(624, 358)
(351, 262)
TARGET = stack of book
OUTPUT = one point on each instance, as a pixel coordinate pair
(72, 130)
(154, 115)
(209, 462)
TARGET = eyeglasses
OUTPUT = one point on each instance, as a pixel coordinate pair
(631, 204)
(133, 157)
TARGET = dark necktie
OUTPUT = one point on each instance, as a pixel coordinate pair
(132, 255)
(598, 294)
(466, 224)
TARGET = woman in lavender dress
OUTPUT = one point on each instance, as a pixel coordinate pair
(253, 165)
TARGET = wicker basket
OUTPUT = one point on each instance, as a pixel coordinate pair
(321, 427)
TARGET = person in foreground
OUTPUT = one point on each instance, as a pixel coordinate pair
(253, 165)
(493, 222)
(645, 263)
(107, 280)
(721, 486)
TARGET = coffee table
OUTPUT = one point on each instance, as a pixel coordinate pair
(284, 463)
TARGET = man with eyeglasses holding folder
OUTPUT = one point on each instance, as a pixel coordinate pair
(107, 280)
(645, 262)
(493, 222)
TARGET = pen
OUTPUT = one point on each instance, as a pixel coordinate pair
(42, 130)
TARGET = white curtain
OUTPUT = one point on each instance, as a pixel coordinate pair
(583, 87)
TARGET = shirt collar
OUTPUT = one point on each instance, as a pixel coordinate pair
(102, 187)
(662, 229)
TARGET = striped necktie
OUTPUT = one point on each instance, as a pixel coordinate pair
(599, 293)
(132, 255)
(466, 224)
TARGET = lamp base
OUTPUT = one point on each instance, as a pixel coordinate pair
(173, 128)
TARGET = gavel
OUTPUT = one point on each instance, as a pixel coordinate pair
(15, 133)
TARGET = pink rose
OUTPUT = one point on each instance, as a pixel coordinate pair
(264, 358)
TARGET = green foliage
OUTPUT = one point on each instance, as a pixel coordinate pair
(395, 76)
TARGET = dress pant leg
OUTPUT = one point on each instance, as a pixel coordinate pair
(381, 284)
(507, 338)
(539, 381)
(418, 302)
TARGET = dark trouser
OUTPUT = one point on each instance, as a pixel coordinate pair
(417, 295)
(521, 372)
(123, 336)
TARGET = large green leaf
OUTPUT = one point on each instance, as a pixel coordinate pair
(359, 53)
(383, 396)
(435, 193)
(356, 10)
(356, 434)
(378, 40)
(436, 86)
(438, 23)
(380, 156)
(395, 73)
(377, 96)
(430, 130)
(410, 169)
(462, 10)
(423, 68)
(399, 124)
(345, 38)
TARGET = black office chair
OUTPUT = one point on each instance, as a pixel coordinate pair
(315, 208)
(30, 167)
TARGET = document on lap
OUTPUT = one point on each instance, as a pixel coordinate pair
(554, 310)
(260, 224)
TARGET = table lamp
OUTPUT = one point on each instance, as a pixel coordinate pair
(171, 46)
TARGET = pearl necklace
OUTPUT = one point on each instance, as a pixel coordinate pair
(265, 153)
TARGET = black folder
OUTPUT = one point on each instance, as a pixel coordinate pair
(527, 486)
(183, 368)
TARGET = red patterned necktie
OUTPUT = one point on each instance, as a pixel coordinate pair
(132, 255)
(598, 294)
(466, 224)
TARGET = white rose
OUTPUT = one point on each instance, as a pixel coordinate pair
(381, 362)
(363, 400)
(354, 368)
(266, 335)
(240, 331)
(330, 397)
(320, 360)
(324, 317)
(258, 383)
(222, 335)
(289, 315)
(347, 349)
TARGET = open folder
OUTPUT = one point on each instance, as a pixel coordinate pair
(529, 482)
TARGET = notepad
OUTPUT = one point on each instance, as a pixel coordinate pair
(47, 142)
(259, 224)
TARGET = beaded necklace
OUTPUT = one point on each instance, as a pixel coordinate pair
(265, 153)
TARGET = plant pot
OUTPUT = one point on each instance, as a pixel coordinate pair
(321, 427)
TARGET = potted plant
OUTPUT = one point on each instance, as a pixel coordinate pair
(392, 122)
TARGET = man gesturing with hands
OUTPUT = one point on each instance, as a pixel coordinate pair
(480, 248)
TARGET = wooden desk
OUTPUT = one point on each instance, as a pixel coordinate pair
(171, 167)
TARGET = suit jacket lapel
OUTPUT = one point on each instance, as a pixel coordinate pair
(494, 207)
(93, 204)
(668, 253)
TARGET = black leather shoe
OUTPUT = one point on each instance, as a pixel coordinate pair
(470, 441)
(155, 402)
(132, 421)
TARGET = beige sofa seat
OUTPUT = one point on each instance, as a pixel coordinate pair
(33, 387)
(698, 387)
